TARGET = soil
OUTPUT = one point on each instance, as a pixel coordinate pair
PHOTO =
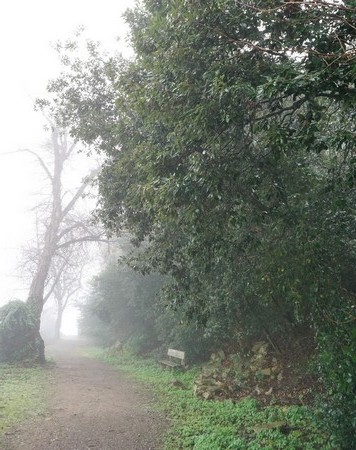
(91, 406)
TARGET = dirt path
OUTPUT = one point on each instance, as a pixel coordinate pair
(92, 406)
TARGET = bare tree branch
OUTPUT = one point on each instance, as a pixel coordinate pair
(91, 238)
(79, 192)
(40, 160)
(55, 281)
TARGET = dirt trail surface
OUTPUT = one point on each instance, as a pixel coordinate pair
(91, 406)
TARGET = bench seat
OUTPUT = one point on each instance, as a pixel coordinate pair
(176, 359)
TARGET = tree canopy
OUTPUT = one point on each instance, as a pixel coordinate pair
(230, 147)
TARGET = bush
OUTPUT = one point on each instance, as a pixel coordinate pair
(175, 332)
(17, 332)
(338, 367)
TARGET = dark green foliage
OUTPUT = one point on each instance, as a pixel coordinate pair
(338, 365)
(17, 329)
(233, 157)
(174, 331)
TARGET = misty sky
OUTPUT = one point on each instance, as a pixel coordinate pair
(27, 29)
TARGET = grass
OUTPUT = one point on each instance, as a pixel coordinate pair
(222, 425)
(22, 394)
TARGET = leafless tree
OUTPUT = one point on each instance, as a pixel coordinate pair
(66, 276)
(61, 227)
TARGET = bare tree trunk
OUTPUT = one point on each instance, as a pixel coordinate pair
(36, 302)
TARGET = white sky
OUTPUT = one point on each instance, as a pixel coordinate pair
(27, 28)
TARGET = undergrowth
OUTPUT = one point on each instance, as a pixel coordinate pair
(21, 394)
(222, 425)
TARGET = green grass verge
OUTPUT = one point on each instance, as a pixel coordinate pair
(222, 425)
(22, 394)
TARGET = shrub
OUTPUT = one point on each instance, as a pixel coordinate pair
(338, 367)
(17, 331)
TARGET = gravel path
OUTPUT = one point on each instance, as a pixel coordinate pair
(92, 406)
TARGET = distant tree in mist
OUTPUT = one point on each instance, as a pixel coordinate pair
(65, 283)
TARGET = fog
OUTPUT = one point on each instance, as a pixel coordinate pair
(28, 31)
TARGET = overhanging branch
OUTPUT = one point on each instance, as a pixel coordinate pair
(80, 240)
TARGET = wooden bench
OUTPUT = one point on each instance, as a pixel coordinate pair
(175, 359)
